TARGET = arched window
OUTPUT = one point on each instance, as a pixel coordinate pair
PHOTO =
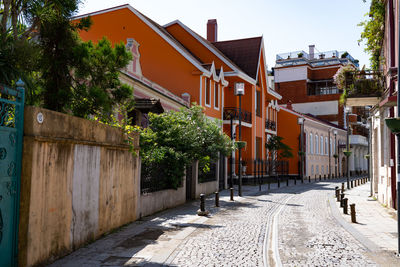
(311, 144)
(316, 150)
(317, 169)
(321, 146)
(331, 147)
(326, 145)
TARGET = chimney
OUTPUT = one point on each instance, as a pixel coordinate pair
(289, 105)
(212, 30)
(311, 51)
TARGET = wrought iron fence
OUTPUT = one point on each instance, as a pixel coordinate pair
(207, 174)
(154, 178)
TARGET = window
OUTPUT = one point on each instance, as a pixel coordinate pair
(258, 103)
(326, 145)
(312, 169)
(322, 88)
(316, 145)
(321, 146)
(208, 92)
(330, 144)
(311, 144)
(216, 96)
(317, 169)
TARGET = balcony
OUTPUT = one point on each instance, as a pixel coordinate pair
(364, 88)
(270, 125)
(231, 113)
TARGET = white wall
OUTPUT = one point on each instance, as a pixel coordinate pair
(317, 108)
(290, 74)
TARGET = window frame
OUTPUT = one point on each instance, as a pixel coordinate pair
(216, 96)
(207, 90)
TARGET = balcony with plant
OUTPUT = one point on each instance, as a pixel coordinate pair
(360, 87)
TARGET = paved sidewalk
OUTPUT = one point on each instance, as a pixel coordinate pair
(374, 221)
(152, 240)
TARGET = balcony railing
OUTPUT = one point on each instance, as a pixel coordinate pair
(270, 125)
(364, 86)
(233, 113)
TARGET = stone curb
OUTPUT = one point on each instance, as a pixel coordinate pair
(367, 243)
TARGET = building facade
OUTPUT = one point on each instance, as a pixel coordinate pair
(323, 144)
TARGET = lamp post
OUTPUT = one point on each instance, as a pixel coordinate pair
(348, 146)
(231, 159)
(337, 156)
(300, 121)
(239, 91)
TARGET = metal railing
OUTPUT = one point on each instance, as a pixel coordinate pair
(270, 125)
(209, 175)
(233, 113)
(154, 178)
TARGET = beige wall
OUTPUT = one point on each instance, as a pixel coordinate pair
(79, 180)
(318, 163)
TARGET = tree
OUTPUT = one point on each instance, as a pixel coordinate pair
(175, 139)
(40, 44)
(373, 31)
(276, 148)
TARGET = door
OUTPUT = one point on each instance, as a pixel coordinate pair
(11, 128)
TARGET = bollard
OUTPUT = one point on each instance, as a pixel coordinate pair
(337, 195)
(324, 176)
(345, 200)
(320, 177)
(279, 182)
(342, 187)
(231, 194)
(202, 203)
(353, 212)
(336, 190)
(202, 211)
(351, 183)
(309, 179)
(341, 200)
(217, 199)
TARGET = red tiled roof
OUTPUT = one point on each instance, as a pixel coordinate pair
(243, 52)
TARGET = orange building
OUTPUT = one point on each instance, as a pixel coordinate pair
(199, 70)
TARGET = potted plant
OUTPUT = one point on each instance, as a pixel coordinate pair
(367, 156)
(393, 124)
(347, 153)
(335, 156)
(344, 55)
(300, 55)
(241, 144)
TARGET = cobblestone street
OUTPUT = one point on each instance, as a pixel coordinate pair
(290, 226)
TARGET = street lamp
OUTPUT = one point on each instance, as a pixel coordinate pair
(348, 146)
(239, 91)
(336, 157)
(300, 121)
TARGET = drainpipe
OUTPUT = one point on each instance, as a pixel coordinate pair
(398, 135)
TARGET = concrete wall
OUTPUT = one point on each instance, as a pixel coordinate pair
(79, 180)
(208, 187)
(156, 201)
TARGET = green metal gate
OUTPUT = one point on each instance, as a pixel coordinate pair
(11, 130)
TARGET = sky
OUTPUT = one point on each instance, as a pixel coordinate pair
(286, 25)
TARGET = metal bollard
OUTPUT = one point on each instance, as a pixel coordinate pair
(309, 179)
(320, 177)
(217, 199)
(345, 200)
(341, 200)
(279, 182)
(342, 187)
(351, 183)
(353, 212)
(202, 203)
(337, 193)
(336, 189)
(231, 194)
